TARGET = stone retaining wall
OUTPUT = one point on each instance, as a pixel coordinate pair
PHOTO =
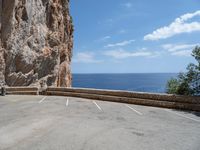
(22, 90)
(142, 95)
(139, 98)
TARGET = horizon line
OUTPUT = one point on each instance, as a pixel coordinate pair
(126, 73)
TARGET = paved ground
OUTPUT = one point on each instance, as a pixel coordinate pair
(61, 123)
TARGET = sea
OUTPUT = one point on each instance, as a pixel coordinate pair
(140, 82)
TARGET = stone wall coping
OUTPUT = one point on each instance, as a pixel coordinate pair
(133, 94)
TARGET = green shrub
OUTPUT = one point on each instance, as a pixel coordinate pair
(187, 83)
(172, 86)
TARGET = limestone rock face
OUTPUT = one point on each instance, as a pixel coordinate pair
(36, 42)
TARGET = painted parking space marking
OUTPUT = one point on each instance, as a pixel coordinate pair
(181, 115)
(97, 105)
(139, 113)
(42, 99)
(67, 102)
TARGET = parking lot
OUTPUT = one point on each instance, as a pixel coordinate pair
(66, 123)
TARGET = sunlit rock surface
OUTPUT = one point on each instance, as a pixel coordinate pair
(36, 42)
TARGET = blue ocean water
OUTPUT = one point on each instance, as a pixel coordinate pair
(143, 82)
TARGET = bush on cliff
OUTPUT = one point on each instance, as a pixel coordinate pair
(187, 83)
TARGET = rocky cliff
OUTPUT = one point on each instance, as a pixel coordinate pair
(36, 42)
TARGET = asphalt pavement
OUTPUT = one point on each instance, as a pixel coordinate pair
(66, 123)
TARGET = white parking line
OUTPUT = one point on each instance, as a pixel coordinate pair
(182, 115)
(42, 99)
(139, 113)
(97, 105)
(67, 102)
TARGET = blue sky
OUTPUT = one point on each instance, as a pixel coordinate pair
(134, 36)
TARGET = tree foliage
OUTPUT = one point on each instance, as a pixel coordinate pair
(187, 83)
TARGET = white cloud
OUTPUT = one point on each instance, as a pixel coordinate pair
(122, 31)
(177, 27)
(121, 54)
(182, 53)
(180, 49)
(124, 43)
(127, 5)
(176, 47)
(103, 39)
(106, 37)
(85, 57)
